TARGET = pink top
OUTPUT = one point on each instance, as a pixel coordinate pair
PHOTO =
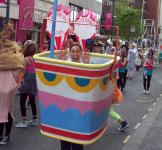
(8, 88)
(120, 65)
(30, 66)
(149, 64)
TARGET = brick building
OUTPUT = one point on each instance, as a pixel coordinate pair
(151, 10)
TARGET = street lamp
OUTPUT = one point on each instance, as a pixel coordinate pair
(113, 13)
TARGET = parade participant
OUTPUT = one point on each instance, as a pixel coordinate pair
(148, 70)
(28, 87)
(75, 55)
(121, 69)
(131, 61)
(125, 49)
(98, 48)
(113, 114)
(138, 60)
(108, 48)
(11, 71)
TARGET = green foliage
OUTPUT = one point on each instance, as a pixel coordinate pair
(125, 19)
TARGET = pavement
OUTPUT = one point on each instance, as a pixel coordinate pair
(148, 136)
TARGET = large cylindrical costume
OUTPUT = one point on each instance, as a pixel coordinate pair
(74, 98)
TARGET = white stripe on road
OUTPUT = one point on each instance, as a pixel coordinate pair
(144, 116)
(127, 139)
(138, 124)
(154, 104)
(149, 109)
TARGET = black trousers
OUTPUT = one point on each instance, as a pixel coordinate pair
(7, 125)
(125, 78)
(23, 98)
(120, 81)
(146, 82)
(70, 146)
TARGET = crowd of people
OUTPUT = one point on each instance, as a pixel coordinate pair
(22, 76)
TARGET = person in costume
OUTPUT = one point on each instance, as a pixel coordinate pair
(28, 87)
(11, 73)
(75, 55)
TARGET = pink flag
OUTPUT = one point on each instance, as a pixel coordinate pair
(2, 1)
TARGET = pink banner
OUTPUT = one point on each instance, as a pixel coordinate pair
(2, 1)
(26, 14)
(108, 21)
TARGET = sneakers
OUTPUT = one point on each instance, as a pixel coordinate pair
(124, 126)
(33, 122)
(5, 140)
(23, 124)
(144, 91)
(147, 92)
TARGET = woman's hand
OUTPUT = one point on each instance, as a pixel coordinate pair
(63, 54)
(86, 57)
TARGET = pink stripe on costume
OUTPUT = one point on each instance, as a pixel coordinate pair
(65, 103)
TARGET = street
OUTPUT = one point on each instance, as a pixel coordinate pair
(135, 109)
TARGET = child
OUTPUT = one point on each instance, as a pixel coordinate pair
(11, 67)
(28, 87)
(76, 55)
(148, 70)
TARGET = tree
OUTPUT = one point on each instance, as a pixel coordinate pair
(126, 18)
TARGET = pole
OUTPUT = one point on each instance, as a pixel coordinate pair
(53, 29)
(7, 11)
(142, 14)
(113, 12)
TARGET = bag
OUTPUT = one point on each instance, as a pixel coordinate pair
(138, 61)
(117, 96)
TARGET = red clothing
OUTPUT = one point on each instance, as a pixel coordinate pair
(149, 64)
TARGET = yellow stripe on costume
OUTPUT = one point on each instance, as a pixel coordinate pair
(57, 79)
(78, 86)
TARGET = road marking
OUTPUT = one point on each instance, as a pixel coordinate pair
(143, 101)
(149, 109)
(154, 104)
(144, 116)
(127, 139)
(138, 124)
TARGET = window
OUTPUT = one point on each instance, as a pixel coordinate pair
(74, 11)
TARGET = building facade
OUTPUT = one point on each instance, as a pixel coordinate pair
(151, 10)
(21, 13)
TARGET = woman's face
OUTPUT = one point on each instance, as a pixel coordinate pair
(98, 50)
(75, 53)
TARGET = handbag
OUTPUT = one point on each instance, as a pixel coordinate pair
(138, 61)
(117, 96)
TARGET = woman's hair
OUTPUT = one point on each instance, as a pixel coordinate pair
(76, 44)
(123, 56)
(127, 49)
(9, 28)
(29, 49)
